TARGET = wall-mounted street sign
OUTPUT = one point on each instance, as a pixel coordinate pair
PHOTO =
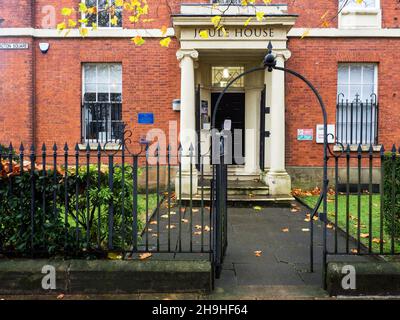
(305, 134)
(13, 46)
(146, 118)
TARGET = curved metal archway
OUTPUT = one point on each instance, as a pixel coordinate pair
(270, 64)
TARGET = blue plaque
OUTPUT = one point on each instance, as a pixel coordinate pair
(146, 118)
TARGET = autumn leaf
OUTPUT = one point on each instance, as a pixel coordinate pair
(164, 30)
(197, 233)
(364, 235)
(66, 12)
(306, 33)
(153, 222)
(114, 256)
(305, 230)
(119, 3)
(206, 228)
(185, 220)
(164, 216)
(257, 208)
(138, 41)
(330, 226)
(171, 227)
(258, 253)
(216, 20)
(247, 22)
(198, 227)
(260, 15)
(285, 230)
(354, 251)
(83, 32)
(203, 34)
(60, 297)
(145, 256)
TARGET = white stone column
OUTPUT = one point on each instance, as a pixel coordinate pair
(252, 124)
(278, 179)
(188, 137)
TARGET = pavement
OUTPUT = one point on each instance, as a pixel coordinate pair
(280, 270)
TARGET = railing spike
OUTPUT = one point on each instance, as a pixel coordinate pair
(66, 147)
(44, 147)
(55, 147)
(21, 147)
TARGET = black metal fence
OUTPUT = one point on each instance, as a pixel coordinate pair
(357, 121)
(84, 202)
(363, 202)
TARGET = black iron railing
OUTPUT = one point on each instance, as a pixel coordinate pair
(357, 120)
(363, 202)
(102, 122)
(82, 203)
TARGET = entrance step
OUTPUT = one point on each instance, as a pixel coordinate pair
(248, 188)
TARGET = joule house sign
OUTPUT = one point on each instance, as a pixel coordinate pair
(237, 33)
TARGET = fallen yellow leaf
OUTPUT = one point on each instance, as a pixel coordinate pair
(145, 256)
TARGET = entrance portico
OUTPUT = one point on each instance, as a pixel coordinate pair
(237, 47)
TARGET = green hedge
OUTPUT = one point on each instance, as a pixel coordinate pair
(391, 185)
(53, 234)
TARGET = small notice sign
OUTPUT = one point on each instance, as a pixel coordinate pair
(331, 133)
(14, 46)
(305, 134)
(146, 118)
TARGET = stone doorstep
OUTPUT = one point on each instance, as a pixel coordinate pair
(106, 276)
(372, 279)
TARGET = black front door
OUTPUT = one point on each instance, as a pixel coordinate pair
(232, 107)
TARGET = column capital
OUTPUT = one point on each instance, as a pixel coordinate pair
(180, 54)
(283, 54)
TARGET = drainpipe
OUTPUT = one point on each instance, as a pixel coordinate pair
(33, 72)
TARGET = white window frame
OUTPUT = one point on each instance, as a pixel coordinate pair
(83, 16)
(349, 127)
(85, 140)
(359, 17)
(362, 71)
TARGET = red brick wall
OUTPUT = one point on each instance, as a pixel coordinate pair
(18, 14)
(16, 93)
(150, 83)
(318, 59)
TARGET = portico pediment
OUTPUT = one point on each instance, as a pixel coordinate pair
(241, 31)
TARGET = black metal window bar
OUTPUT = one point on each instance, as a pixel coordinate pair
(102, 122)
(102, 103)
(357, 120)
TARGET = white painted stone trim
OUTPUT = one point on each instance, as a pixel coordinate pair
(156, 33)
(74, 33)
(344, 33)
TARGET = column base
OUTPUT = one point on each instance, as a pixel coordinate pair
(279, 183)
(186, 182)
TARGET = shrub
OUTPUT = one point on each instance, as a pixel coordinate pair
(391, 185)
(66, 206)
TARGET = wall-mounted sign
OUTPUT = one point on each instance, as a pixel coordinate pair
(305, 134)
(146, 118)
(331, 133)
(14, 46)
(239, 32)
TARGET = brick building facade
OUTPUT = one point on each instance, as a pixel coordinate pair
(42, 95)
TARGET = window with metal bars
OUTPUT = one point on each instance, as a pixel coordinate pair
(102, 102)
(357, 104)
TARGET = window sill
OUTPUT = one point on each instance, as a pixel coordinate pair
(363, 11)
(354, 148)
(94, 146)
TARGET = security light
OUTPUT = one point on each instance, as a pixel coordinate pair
(44, 47)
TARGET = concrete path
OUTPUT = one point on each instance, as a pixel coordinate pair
(280, 272)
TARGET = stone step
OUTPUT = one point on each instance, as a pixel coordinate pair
(244, 188)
